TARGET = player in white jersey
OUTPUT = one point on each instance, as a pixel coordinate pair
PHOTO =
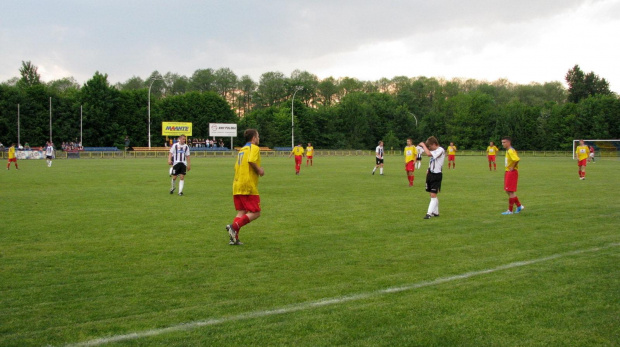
(179, 159)
(418, 159)
(49, 153)
(434, 174)
(379, 158)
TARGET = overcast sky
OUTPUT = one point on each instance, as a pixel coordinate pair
(523, 41)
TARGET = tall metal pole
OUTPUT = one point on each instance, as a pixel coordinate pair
(18, 125)
(81, 128)
(149, 107)
(50, 119)
(298, 88)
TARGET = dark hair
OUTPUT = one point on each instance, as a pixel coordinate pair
(432, 141)
(249, 134)
(507, 138)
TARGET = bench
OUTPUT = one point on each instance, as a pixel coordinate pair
(100, 149)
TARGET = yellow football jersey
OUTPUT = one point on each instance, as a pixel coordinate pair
(582, 152)
(309, 151)
(451, 150)
(410, 153)
(511, 157)
(298, 150)
(492, 150)
(246, 179)
(11, 152)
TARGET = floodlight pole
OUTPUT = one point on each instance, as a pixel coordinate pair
(298, 88)
(149, 106)
(416, 119)
(50, 119)
(18, 125)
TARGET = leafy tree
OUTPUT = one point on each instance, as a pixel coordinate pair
(29, 75)
(203, 80)
(64, 85)
(225, 81)
(581, 85)
(272, 89)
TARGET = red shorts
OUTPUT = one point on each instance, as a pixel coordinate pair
(309, 157)
(250, 203)
(582, 162)
(451, 157)
(491, 157)
(410, 166)
(13, 160)
(298, 159)
(511, 178)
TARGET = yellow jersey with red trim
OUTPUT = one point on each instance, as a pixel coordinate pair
(246, 179)
(410, 153)
(511, 158)
(451, 150)
(11, 152)
(582, 152)
(298, 150)
(309, 151)
(492, 150)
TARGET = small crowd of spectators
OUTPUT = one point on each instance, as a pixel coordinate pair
(71, 146)
(195, 142)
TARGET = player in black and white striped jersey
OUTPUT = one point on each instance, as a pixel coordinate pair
(379, 158)
(179, 159)
(49, 153)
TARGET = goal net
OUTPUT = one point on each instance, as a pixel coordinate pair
(602, 148)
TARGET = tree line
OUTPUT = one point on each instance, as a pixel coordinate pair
(343, 113)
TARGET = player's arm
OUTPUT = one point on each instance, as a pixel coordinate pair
(257, 169)
(293, 151)
(426, 150)
(169, 158)
(188, 163)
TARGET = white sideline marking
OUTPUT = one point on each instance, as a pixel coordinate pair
(328, 301)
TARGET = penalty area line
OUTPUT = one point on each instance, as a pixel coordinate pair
(329, 301)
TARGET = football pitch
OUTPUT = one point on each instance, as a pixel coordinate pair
(97, 252)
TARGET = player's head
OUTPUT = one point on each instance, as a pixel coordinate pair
(409, 141)
(13, 144)
(309, 144)
(581, 142)
(251, 135)
(506, 141)
(451, 143)
(381, 143)
(492, 143)
(182, 139)
(432, 143)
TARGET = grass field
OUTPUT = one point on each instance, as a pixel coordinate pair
(93, 251)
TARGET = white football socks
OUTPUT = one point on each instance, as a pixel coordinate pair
(172, 181)
(181, 183)
(433, 206)
(381, 171)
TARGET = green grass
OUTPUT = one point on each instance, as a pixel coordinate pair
(98, 248)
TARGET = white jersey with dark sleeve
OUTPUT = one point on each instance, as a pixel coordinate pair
(435, 165)
(379, 152)
(179, 153)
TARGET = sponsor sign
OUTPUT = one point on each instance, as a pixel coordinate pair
(222, 130)
(21, 155)
(176, 128)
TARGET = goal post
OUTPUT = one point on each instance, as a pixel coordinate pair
(606, 147)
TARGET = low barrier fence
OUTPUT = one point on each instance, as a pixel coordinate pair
(272, 153)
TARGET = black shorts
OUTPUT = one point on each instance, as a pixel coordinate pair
(179, 169)
(48, 157)
(418, 158)
(433, 182)
(379, 161)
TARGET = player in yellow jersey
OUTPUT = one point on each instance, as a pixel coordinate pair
(245, 185)
(410, 155)
(309, 153)
(491, 153)
(583, 152)
(511, 176)
(12, 157)
(451, 155)
(298, 151)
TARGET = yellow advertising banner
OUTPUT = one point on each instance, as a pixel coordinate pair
(176, 128)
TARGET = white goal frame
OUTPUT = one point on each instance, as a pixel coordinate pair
(575, 142)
